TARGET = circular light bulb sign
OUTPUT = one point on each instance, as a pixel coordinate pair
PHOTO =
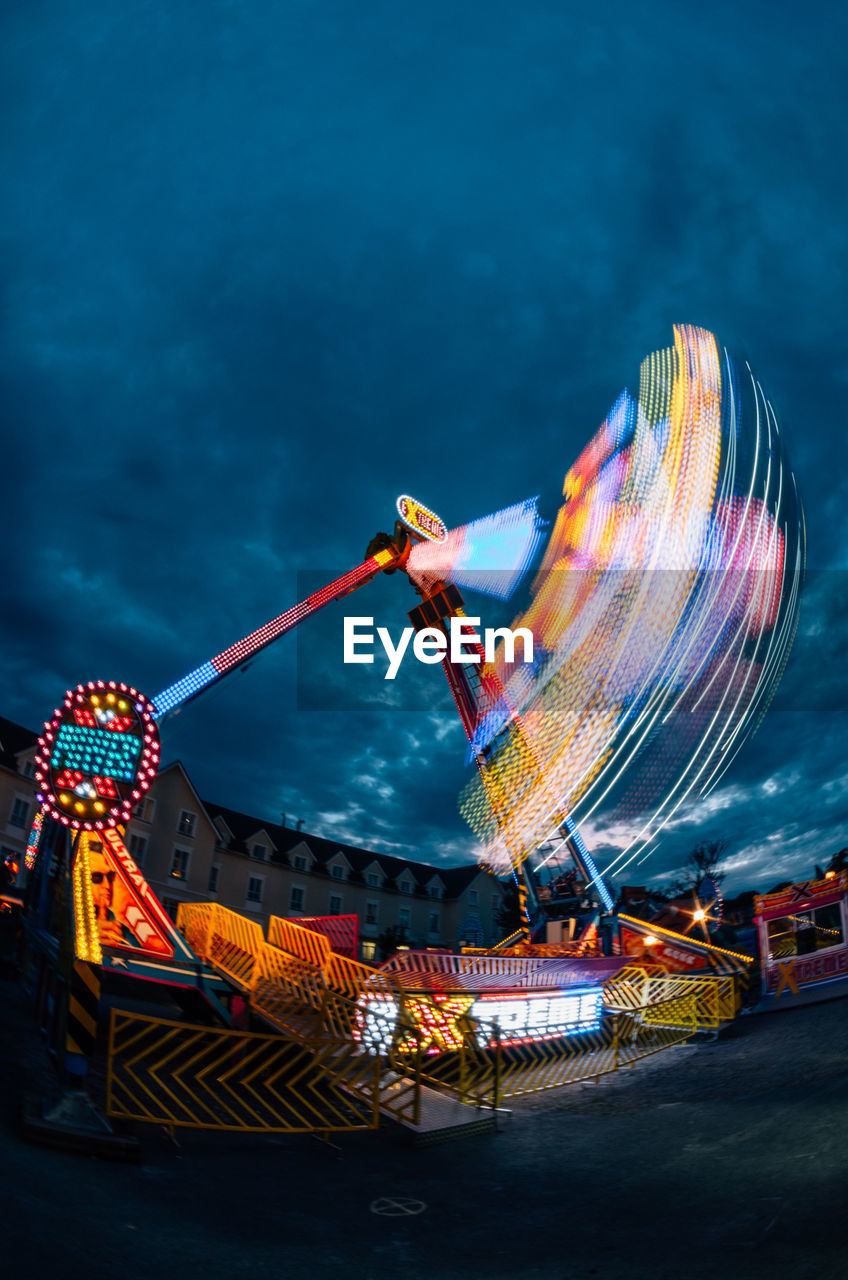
(97, 756)
(420, 519)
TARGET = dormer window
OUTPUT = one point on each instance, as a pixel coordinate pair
(405, 886)
(225, 835)
(299, 862)
(373, 879)
(337, 871)
(435, 891)
(259, 851)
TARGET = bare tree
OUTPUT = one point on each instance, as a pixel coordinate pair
(839, 861)
(704, 861)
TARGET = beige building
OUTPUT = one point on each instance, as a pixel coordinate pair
(193, 850)
(17, 790)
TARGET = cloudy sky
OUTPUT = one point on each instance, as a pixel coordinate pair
(266, 266)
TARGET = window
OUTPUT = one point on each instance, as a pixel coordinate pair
(373, 879)
(338, 871)
(296, 898)
(179, 863)
(138, 848)
(19, 816)
(472, 898)
(405, 886)
(371, 912)
(258, 852)
(433, 925)
(299, 862)
(171, 905)
(185, 826)
(254, 888)
(369, 950)
(403, 917)
(335, 904)
(213, 878)
(27, 769)
(808, 931)
(435, 891)
(143, 811)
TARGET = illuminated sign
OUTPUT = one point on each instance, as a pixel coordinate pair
(496, 1019)
(97, 756)
(420, 519)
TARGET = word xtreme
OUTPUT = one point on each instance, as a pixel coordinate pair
(462, 643)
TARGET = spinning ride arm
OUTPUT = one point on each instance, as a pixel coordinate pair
(181, 692)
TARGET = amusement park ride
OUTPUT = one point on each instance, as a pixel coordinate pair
(663, 609)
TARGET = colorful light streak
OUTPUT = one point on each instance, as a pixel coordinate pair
(663, 614)
(34, 839)
(243, 650)
(490, 555)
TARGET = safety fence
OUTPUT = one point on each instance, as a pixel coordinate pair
(491, 1076)
(330, 1004)
(717, 997)
(299, 986)
(517, 971)
(183, 1076)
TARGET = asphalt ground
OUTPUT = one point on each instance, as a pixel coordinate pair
(725, 1159)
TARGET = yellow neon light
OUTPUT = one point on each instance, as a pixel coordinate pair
(687, 941)
(421, 519)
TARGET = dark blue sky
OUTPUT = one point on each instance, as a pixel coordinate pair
(265, 266)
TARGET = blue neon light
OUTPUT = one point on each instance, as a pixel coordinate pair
(96, 752)
(594, 873)
(184, 689)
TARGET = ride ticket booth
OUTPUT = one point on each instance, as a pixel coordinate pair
(802, 933)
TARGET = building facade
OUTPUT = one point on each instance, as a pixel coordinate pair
(193, 850)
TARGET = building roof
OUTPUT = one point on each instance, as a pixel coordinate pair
(14, 739)
(286, 839)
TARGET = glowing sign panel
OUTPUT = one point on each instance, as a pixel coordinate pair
(500, 1019)
(420, 519)
(97, 756)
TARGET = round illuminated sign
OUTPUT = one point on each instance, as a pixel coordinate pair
(420, 519)
(97, 756)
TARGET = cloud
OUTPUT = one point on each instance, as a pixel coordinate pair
(321, 266)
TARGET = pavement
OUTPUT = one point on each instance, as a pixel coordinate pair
(724, 1159)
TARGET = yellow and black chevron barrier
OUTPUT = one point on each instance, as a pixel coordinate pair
(83, 1003)
(174, 1074)
(717, 997)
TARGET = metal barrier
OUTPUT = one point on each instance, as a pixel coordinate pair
(521, 971)
(174, 1074)
(315, 997)
(488, 1077)
(307, 945)
(294, 993)
(717, 997)
(223, 938)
